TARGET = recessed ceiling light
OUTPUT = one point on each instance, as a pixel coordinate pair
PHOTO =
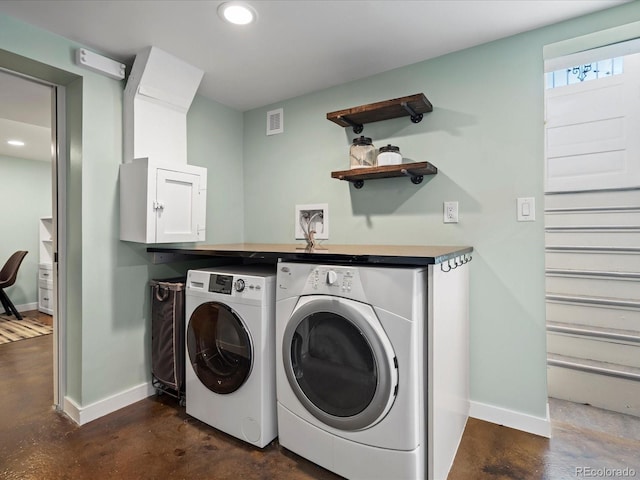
(238, 13)
(16, 143)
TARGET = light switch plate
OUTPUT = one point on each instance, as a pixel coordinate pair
(526, 209)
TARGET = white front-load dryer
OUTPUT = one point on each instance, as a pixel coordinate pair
(230, 356)
(350, 368)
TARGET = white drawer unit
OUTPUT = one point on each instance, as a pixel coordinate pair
(45, 300)
(45, 288)
(45, 273)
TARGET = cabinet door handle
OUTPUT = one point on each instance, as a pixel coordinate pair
(157, 205)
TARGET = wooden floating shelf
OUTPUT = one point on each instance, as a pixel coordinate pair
(412, 105)
(416, 171)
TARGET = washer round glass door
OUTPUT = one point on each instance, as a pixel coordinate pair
(339, 362)
(219, 347)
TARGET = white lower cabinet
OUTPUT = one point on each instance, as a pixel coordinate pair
(162, 203)
(45, 288)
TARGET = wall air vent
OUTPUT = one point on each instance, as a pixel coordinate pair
(275, 123)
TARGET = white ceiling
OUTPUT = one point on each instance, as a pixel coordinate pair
(295, 47)
(25, 114)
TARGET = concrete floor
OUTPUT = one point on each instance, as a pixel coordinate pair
(155, 439)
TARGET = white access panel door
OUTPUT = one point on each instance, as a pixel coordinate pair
(176, 206)
(592, 140)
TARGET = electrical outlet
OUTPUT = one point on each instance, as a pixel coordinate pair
(312, 217)
(450, 212)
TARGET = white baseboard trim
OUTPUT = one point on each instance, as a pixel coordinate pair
(83, 415)
(512, 419)
(25, 307)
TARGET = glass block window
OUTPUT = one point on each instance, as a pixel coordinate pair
(584, 73)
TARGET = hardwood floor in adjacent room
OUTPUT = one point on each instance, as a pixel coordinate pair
(38, 316)
(35, 315)
(155, 439)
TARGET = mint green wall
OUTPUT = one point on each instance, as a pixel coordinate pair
(485, 135)
(27, 185)
(108, 334)
(214, 137)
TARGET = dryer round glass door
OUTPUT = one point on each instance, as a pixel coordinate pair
(219, 347)
(339, 362)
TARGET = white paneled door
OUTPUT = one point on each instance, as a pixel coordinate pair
(176, 206)
(592, 139)
(592, 239)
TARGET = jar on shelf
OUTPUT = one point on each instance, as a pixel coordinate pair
(362, 153)
(389, 155)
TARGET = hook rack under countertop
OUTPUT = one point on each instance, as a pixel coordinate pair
(455, 262)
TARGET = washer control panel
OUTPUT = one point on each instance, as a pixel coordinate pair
(235, 285)
(220, 283)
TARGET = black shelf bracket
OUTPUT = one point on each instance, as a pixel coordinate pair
(415, 116)
(357, 128)
(415, 179)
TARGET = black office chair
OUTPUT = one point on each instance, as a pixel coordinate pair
(8, 276)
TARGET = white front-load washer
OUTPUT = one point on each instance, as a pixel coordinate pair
(230, 356)
(350, 368)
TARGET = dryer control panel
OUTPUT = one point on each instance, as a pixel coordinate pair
(337, 277)
(307, 279)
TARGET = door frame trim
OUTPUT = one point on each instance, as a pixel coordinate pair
(59, 212)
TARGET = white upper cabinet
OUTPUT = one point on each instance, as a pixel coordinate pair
(162, 203)
(162, 197)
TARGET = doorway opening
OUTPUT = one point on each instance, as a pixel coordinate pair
(32, 166)
(26, 170)
(592, 227)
